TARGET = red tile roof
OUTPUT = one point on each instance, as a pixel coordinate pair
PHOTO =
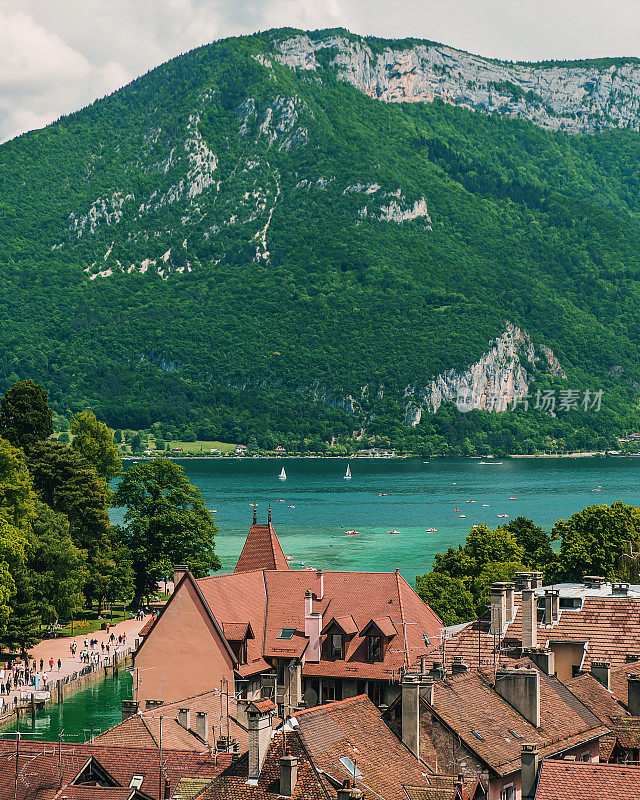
(232, 783)
(275, 599)
(353, 729)
(469, 705)
(610, 625)
(144, 630)
(576, 780)
(596, 697)
(261, 550)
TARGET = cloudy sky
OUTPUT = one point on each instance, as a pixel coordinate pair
(58, 55)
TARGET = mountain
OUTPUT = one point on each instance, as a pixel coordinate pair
(318, 236)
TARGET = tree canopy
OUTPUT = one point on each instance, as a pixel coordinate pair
(94, 440)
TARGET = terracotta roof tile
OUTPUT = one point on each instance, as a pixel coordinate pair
(573, 780)
(354, 730)
(144, 630)
(594, 695)
(261, 550)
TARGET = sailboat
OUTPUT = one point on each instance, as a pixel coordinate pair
(282, 475)
(347, 474)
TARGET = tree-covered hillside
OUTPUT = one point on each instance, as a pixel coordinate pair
(239, 248)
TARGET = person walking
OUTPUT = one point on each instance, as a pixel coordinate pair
(59, 664)
(42, 665)
(50, 664)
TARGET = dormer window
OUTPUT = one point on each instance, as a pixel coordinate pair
(337, 645)
(374, 647)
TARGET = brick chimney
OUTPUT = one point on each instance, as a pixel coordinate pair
(288, 774)
(509, 601)
(594, 581)
(633, 694)
(319, 584)
(312, 629)
(544, 659)
(529, 619)
(459, 667)
(410, 701)
(202, 725)
(184, 718)
(259, 723)
(426, 688)
(529, 770)
(536, 579)
(601, 671)
(498, 608)
(522, 580)
(178, 572)
(551, 606)
(129, 708)
(521, 689)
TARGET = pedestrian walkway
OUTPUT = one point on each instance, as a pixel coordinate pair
(59, 649)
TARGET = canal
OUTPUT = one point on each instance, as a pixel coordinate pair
(89, 712)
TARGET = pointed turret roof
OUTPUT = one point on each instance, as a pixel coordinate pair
(261, 550)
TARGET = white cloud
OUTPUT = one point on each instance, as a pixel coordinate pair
(57, 56)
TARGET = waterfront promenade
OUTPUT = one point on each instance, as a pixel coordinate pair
(59, 649)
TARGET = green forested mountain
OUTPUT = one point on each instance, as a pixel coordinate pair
(242, 244)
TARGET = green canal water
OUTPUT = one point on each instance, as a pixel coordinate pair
(90, 711)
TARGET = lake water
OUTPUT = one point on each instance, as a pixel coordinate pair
(415, 496)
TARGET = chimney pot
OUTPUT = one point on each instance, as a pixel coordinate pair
(202, 725)
(259, 725)
(521, 689)
(498, 608)
(529, 770)
(129, 708)
(410, 704)
(551, 606)
(529, 619)
(319, 584)
(288, 774)
(313, 630)
(601, 671)
(184, 718)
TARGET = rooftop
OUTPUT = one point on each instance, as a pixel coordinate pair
(261, 549)
(569, 780)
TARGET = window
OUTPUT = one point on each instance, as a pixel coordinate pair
(286, 633)
(331, 690)
(375, 692)
(585, 757)
(337, 646)
(508, 792)
(136, 781)
(374, 648)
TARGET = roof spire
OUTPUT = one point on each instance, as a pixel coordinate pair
(269, 514)
(255, 515)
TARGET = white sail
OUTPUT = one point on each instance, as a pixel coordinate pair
(283, 475)
(347, 475)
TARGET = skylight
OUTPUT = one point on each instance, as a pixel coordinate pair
(350, 767)
(477, 735)
(286, 633)
(136, 781)
(514, 734)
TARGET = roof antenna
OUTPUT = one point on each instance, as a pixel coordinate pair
(269, 513)
(255, 515)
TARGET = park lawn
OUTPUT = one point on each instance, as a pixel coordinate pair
(193, 448)
(88, 622)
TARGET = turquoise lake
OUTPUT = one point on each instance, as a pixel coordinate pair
(417, 496)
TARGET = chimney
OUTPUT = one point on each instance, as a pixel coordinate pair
(178, 572)
(319, 584)
(509, 601)
(410, 700)
(437, 670)
(529, 619)
(498, 608)
(167, 789)
(241, 711)
(536, 579)
(129, 708)
(426, 688)
(620, 588)
(522, 580)
(308, 603)
(423, 665)
(529, 770)
(259, 739)
(312, 630)
(545, 660)
(601, 671)
(551, 606)
(459, 667)
(288, 774)
(202, 725)
(521, 689)
(184, 718)
(594, 581)
(348, 792)
(633, 694)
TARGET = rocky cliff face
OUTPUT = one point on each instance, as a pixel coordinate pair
(493, 383)
(580, 99)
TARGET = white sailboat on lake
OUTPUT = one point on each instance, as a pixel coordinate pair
(282, 475)
(347, 474)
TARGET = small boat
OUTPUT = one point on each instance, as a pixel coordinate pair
(289, 558)
(382, 494)
(347, 474)
(462, 516)
(290, 506)
(352, 533)
(489, 462)
(475, 526)
(425, 462)
(502, 516)
(279, 501)
(513, 498)
(485, 505)
(456, 509)
(431, 530)
(282, 475)
(596, 490)
(393, 531)
(214, 510)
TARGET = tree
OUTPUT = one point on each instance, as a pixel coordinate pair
(166, 522)
(593, 541)
(535, 542)
(16, 489)
(25, 416)
(22, 629)
(94, 440)
(447, 596)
